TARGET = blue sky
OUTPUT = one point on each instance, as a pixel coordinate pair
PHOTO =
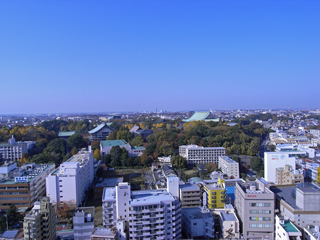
(101, 56)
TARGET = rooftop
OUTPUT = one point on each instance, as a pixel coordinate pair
(112, 143)
(109, 194)
(289, 227)
(189, 187)
(103, 232)
(99, 127)
(228, 216)
(196, 213)
(150, 197)
(66, 134)
(198, 116)
(227, 159)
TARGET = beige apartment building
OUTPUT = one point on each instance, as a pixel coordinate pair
(287, 176)
(190, 196)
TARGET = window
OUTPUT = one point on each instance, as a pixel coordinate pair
(259, 204)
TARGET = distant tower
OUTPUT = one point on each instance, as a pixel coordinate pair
(156, 110)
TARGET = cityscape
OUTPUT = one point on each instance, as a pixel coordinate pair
(159, 120)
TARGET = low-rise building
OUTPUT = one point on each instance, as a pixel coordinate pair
(229, 167)
(201, 155)
(100, 233)
(285, 229)
(228, 222)
(106, 146)
(65, 135)
(40, 222)
(101, 132)
(13, 150)
(299, 203)
(83, 223)
(214, 195)
(190, 195)
(287, 176)
(197, 223)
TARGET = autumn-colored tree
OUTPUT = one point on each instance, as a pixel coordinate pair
(74, 151)
(24, 159)
(97, 154)
(65, 209)
(211, 167)
(318, 175)
(95, 145)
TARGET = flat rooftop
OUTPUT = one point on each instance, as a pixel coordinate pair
(227, 159)
(112, 143)
(150, 197)
(285, 193)
(230, 216)
(196, 213)
(109, 194)
(289, 227)
(213, 186)
(189, 187)
(103, 232)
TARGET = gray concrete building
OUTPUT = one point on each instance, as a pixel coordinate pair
(83, 223)
(299, 203)
(254, 203)
(40, 222)
(190, 195)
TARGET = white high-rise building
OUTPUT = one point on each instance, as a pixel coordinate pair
(229, 166)
(150, 214)
(201, 155)
(70, 182)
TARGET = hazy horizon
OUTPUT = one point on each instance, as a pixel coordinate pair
(120, 56)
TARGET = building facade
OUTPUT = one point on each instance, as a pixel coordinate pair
(23, 186)
(229, 167)
(106, 146)
(201, 155)
(255, 204)
(214, 195)
(285, 229)
(13, 150)
(288, 176)
(274, 160)
(72, 180)
(190, 196)
(40, 222)
(151, 214)
(83, 223)
(101, 132)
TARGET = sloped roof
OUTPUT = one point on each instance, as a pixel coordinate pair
(134, 129)
(66, 134)
(99, 127)
(198, 116)
(113, 143)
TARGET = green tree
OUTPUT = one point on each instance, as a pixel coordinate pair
(256, 164)
(124, 157)
(137, 141)
(12, 213)
(107, 159)
(115, 154)
(178, 161)
(76, 141)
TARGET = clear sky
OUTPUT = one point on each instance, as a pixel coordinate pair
(101, 56)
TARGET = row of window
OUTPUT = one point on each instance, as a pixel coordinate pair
(260, 218)
(260, 225)
(12, 199)
(259, 204)
(260, 211)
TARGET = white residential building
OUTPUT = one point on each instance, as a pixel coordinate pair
(13, 150)
(71, 181)
(150, 214)
(201, 155)
(229, 166)
(315, 133)
(229, 222)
